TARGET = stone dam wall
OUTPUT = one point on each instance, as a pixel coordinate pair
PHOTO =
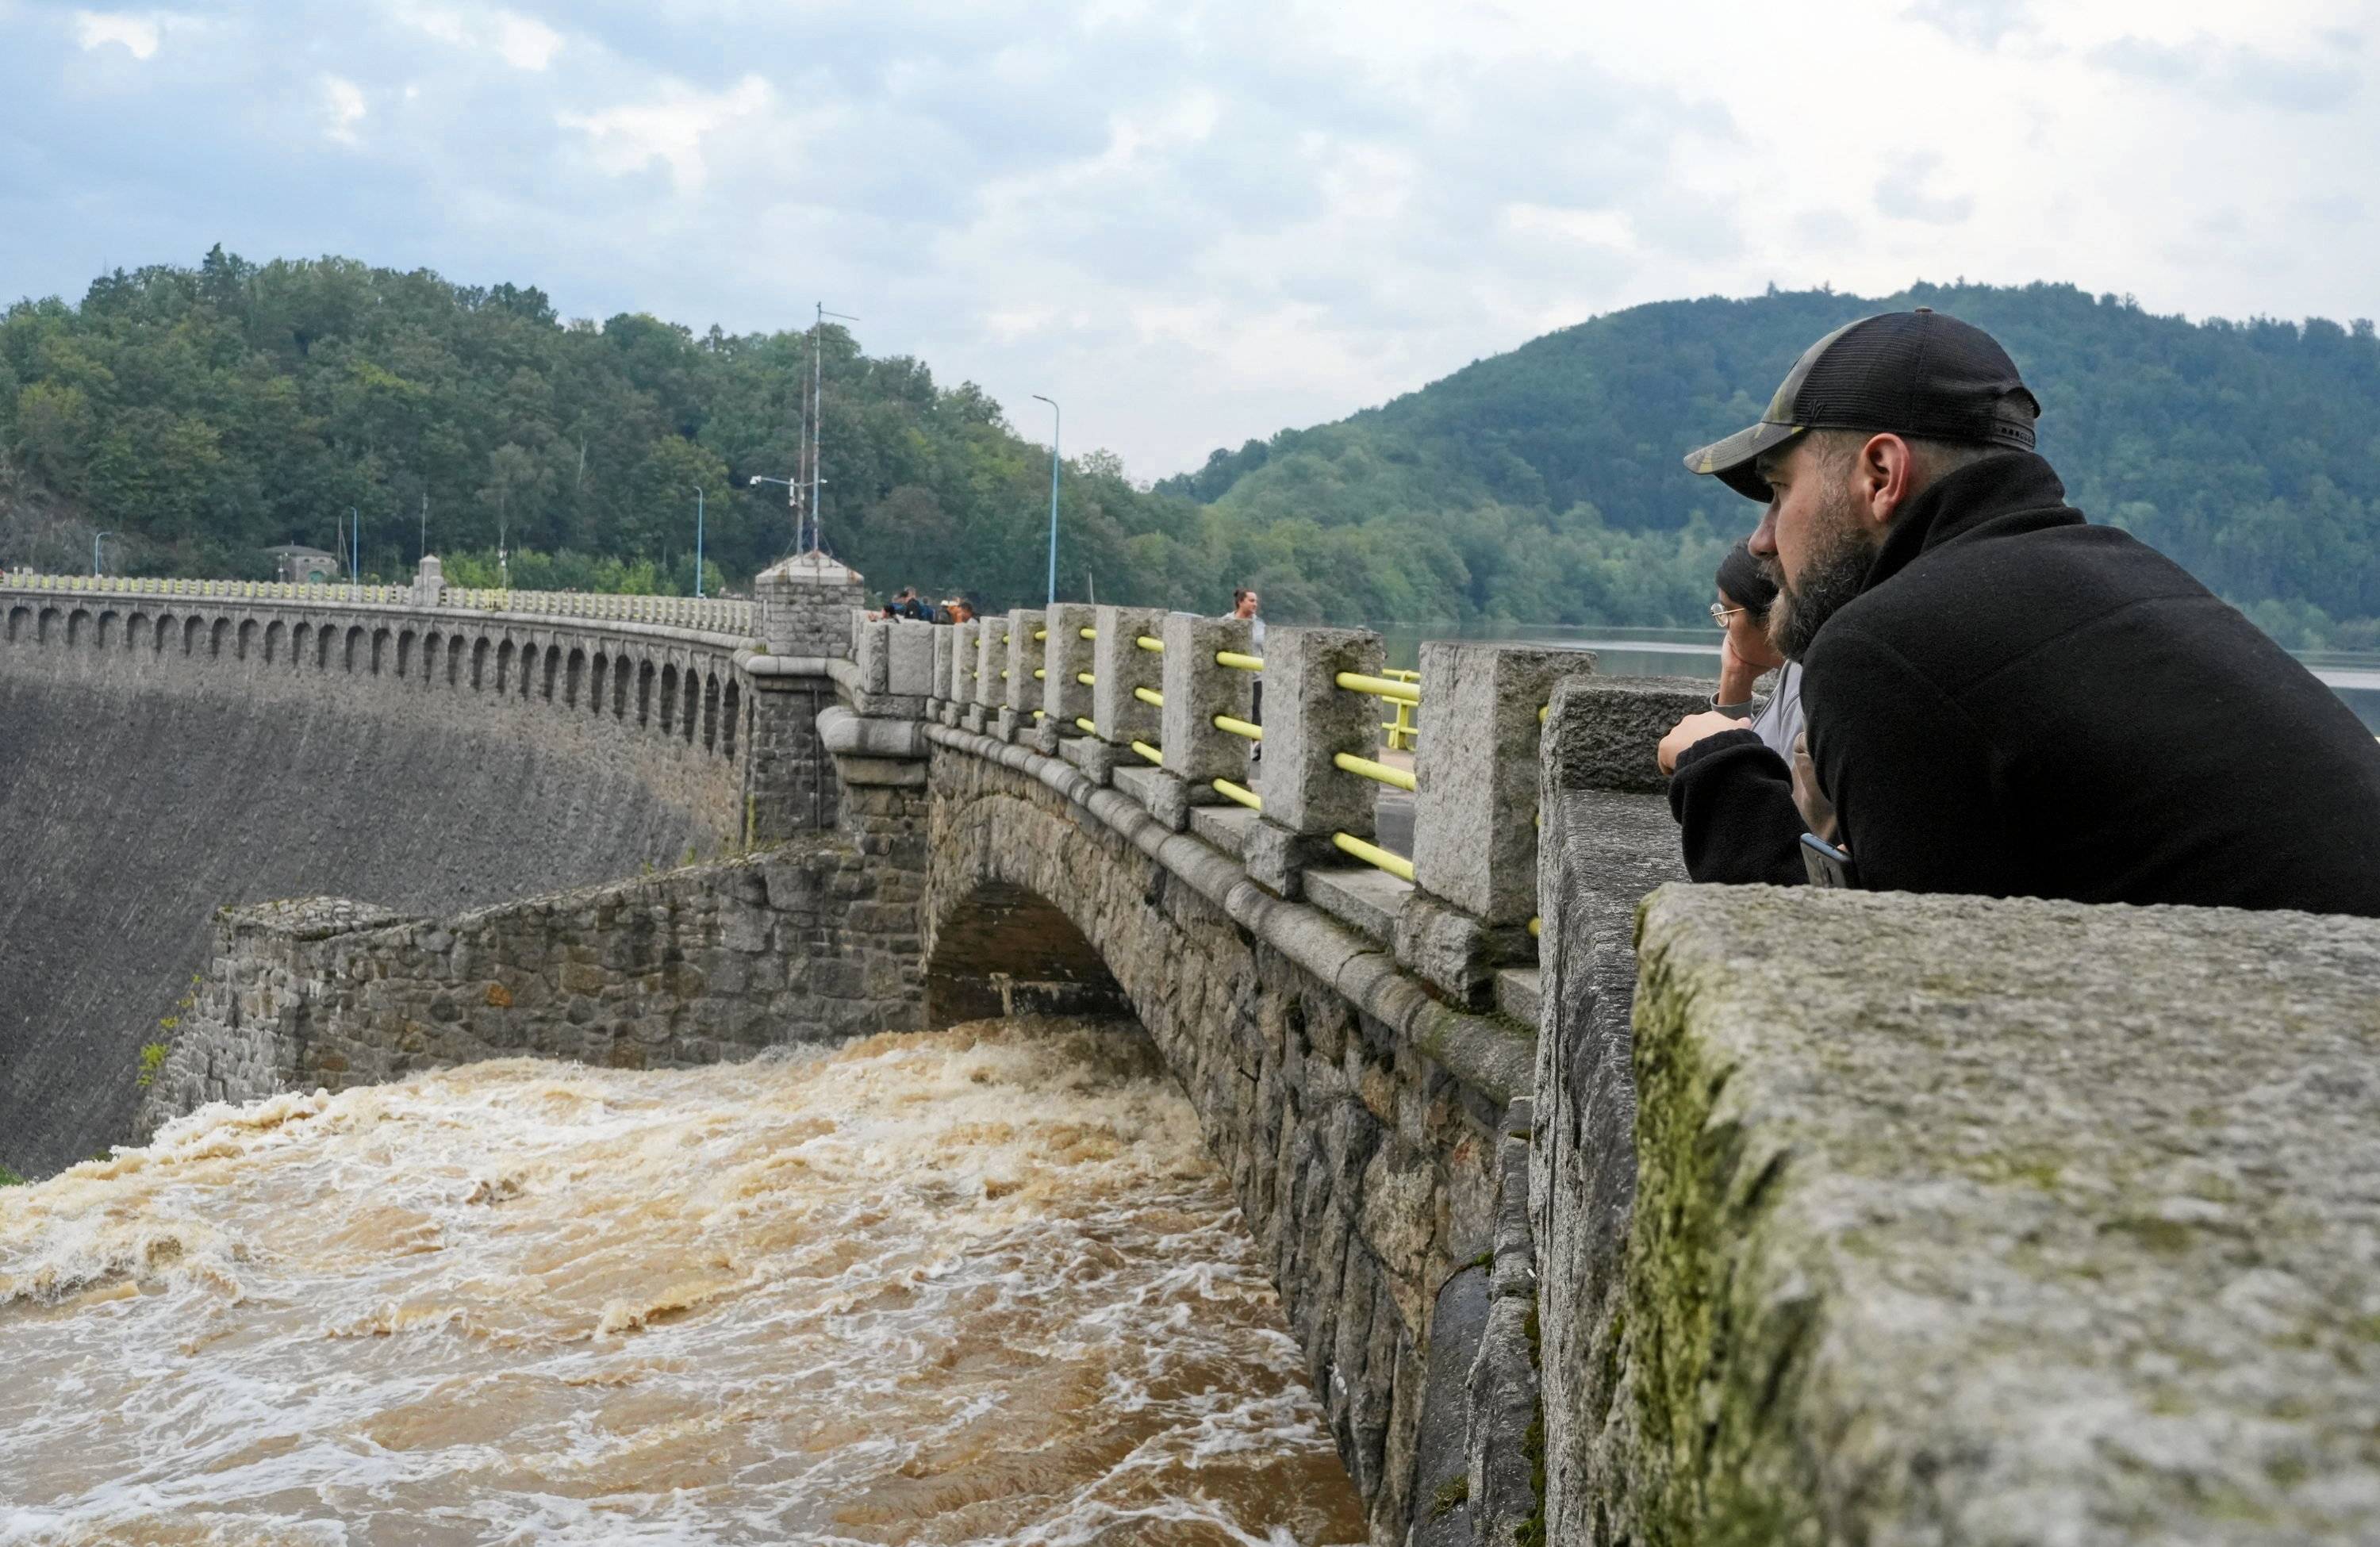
(155, 767)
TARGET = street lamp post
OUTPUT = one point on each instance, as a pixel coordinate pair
(792, 487)
(1057, 421)
(697, 539)
(354, 548)
(94, 552)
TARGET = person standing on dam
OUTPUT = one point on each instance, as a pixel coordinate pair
(2002, 699)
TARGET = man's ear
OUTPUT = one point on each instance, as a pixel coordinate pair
(1884, 477)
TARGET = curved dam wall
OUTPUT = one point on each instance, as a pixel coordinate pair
(158, 762)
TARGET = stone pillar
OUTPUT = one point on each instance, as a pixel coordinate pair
(805, 605)
(1122, 665)
(963, 668)
(1065, 700)
(909, 671)
(1196, 690)
(872, 652)
(1308, 720)
(990, 659)
(1023, 694)
(938, 698)
(1475, 811)
(430, 583)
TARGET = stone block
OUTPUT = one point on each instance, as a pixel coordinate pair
(965, 657)
(1275, 857)
(875, 656)
(1145, 784)
(1309, 719)
(1226, 827)
(1093, 757)
(945, 639)
(1601, 730)
(1021, 688)
(1456, 952)
(991, 660)
(1066, 653)
(1196, 691)
(909, 666)
(1475, 807)
(1972, 1220)
(1361, 896)
(1122, 669)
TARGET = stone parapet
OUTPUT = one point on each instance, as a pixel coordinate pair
(1122, 668)
(1309, 721)
(806, 605)
(1065, 697)
(2044, 1222)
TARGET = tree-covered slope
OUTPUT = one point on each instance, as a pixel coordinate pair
(2250, 452)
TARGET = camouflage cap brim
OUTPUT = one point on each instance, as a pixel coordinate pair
(1731, 460)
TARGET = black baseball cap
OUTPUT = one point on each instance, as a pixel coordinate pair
(1907, 373)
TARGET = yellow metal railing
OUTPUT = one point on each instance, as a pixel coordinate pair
(1247, 728)
(1151, 753)
(1239, 793)
(1373, 854)
(1403, 735)
(1086, 679)
(1085, 726)
(1238, 661)
(1380, 687)
(1379, 773)
(1149, 642)
(1149, 696)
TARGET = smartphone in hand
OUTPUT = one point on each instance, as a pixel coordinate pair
(1826, 865)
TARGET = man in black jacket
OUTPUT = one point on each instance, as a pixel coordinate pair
(2001, 698)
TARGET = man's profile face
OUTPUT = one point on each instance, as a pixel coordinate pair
(1249, 605)
(1812, 543)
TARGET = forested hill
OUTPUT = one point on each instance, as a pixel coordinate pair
(201, 415)
(2249, 451)
(205, 414)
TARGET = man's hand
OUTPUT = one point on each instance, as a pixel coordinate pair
(1736, 674)
(1688, 731)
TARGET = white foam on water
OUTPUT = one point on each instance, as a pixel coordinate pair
(980, 1286)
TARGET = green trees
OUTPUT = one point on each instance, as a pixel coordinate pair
(205, 414)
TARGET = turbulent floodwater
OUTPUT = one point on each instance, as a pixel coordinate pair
(976, 1286)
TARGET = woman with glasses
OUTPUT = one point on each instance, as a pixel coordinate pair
(1745, 594)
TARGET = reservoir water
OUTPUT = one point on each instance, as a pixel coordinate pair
(972, 1286)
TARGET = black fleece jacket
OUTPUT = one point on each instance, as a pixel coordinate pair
(2023, 704)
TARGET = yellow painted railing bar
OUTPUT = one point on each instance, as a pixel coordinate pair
(1037, 714)
(1373, 854)
(1003, 674)
(1366, 768)
(1040, 633)
(1400, 673)
(1240, 794)
(1088, 633)
(1149, 642)
(1086, 679)
(1238, 661)
(1151, 753)
(1149, 696)
(1544, 709)
(1378, 686)
(1041, 676)
(1085, 726)
(1536, 926)
(1239, 727)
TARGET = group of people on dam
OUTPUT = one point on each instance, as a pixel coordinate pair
(1978, 691)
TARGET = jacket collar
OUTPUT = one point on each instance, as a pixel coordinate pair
(2005, 483)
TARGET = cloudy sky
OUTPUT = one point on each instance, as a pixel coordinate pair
(1195, 221)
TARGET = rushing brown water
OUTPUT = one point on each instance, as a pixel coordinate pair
(978, 1286)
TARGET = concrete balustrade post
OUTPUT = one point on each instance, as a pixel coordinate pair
(939, 700)
(964, 653)
(1196, 690)
(991, 659)
(1065, 699)
(1475, 811)
(1309, 719)
(1021, 694)
(895, 669)
(1123, 718)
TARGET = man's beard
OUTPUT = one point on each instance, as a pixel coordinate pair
(1837, 572)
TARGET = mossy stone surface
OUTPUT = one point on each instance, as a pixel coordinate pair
(1999, 1221)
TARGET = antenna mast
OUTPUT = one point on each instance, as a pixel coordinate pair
(818, 415)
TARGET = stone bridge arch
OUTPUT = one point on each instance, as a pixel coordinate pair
(1000, 949)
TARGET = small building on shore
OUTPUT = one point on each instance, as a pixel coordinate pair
(297, 565)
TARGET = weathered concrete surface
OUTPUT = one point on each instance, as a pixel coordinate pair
(2045, 1224)
(140, 790)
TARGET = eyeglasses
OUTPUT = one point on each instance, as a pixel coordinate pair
(1720, 613)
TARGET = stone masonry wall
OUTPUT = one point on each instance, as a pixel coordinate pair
(1365, 1169)
(812, 941)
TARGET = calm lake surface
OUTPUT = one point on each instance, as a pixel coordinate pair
(2353, 676)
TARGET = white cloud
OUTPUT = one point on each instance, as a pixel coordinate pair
(522, 42)
(136, 35)
(346, 101)
(630, 138)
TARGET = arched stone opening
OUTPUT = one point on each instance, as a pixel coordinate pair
(1002, 950)
(108, 622)
(244, 643)
(276, 641)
